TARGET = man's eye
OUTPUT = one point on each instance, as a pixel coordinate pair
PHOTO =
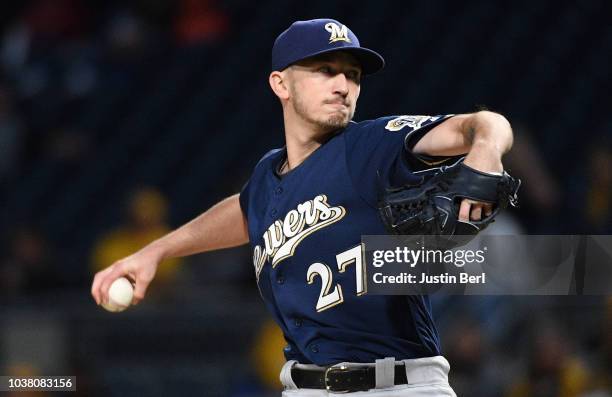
(325, 69)
(353, 76)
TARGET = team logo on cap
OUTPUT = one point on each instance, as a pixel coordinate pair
(338, 33)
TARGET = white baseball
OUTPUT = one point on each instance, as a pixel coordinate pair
(120, 295)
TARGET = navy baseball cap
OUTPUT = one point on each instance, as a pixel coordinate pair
(305, 39)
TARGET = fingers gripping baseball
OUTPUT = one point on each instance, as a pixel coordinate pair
(140, 268)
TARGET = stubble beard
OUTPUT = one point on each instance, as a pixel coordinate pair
(333, 122)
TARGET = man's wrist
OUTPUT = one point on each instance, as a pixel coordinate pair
(156, 250)
(484, 156)
(489, 129)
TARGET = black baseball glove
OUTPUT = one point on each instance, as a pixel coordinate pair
(432, 207)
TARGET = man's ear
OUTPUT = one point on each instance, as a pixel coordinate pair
(278, 83)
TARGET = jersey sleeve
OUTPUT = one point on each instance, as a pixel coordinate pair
(379, 152)
(418, 127)
(260, 168)
(244, 197)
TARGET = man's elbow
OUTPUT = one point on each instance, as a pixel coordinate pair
(492, 129)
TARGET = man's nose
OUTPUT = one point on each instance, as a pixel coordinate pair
(340, 84)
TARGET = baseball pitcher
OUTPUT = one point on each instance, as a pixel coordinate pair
(307, 204)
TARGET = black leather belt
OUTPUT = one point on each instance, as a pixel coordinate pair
(342, 379)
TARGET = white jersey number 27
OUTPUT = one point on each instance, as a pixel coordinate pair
(329, 299)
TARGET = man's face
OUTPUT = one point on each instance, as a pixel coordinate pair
(324, 89)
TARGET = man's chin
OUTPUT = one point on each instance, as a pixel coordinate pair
(338, 121)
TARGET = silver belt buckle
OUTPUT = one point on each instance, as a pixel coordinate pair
(329, 370)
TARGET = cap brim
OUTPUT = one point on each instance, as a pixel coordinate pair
(371, 61)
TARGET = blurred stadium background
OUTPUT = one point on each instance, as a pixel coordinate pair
(120, 120)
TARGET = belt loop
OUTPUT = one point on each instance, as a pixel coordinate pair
(385, 372)
(285, 375)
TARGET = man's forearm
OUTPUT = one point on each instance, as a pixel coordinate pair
(490, 137)
(222, 226)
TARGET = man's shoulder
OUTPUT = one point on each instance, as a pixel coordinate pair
(271, 155)
(392, 128)
(393, 123)
(374, 128)
(364, 125)
(268, 160)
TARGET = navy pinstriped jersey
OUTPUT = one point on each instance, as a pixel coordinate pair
(305, 229)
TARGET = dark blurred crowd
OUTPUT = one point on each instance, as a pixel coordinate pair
(52, 54)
